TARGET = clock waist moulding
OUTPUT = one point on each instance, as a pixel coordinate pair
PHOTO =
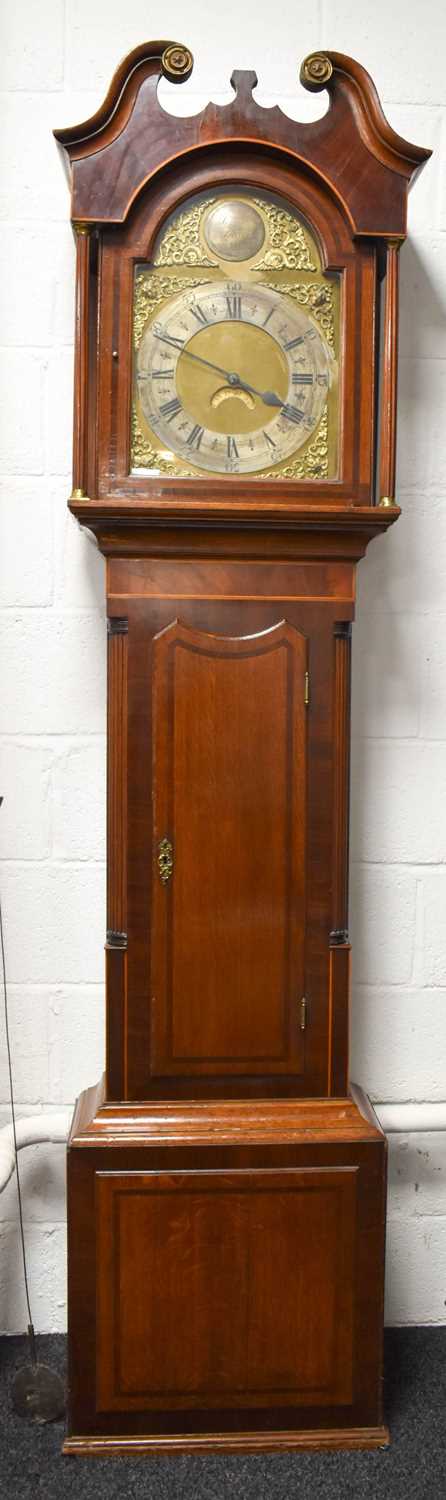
(226, 1183)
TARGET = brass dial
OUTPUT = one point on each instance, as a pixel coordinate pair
(232, 376)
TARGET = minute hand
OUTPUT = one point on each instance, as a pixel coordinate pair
(269, 397)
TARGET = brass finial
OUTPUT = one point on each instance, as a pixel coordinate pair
(316, 71)
(177, 63)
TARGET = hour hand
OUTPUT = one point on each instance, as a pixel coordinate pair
(269, 397)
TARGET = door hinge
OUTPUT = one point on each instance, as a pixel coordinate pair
(307, 689)
(303, 1013)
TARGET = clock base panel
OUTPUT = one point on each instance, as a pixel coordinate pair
(225, 1276)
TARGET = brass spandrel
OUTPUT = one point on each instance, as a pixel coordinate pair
(313, 462)
(180, 243)
(146, 456)
(317, 296)
(152, 291)
(289, 245)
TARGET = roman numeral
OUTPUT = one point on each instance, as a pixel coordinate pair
(162, 374)
(268, 439)
(194, 439)
(231, 446)
(302, 379)
(292, 343)
(292, 414)
(168, 338)
(170, 409)
(268, 316)
(234, 306)
(199, 314)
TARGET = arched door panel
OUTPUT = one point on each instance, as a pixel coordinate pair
(229, 837)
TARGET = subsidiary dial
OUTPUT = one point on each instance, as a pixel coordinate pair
(232, 377)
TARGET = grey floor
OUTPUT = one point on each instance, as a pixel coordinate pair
(413, 1468)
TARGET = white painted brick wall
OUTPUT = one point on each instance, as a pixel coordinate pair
(56, 61)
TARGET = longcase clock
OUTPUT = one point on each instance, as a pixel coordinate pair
(226, 1182)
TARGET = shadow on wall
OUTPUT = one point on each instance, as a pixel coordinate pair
(401, 596)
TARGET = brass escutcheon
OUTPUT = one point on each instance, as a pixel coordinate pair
(165, 860)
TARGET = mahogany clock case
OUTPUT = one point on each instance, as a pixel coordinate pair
(226, 1186)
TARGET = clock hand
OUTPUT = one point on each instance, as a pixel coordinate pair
(269, 397)
(232, 379)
